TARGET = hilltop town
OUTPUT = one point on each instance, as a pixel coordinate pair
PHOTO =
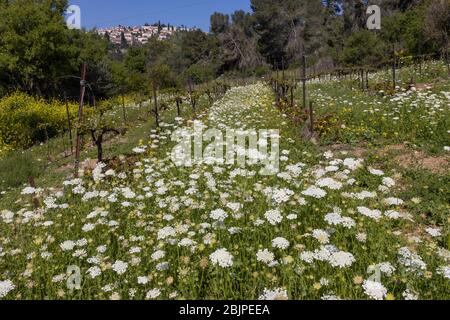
(139, 34)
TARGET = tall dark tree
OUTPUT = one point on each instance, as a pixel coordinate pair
(219, 23)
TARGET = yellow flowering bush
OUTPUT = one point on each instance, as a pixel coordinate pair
(26, 120)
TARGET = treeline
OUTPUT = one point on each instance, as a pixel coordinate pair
(41, 56)
(330, 33)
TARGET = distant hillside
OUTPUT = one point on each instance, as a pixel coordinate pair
(133, 35)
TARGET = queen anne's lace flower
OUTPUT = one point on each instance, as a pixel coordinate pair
(280, 243)
(222, 258)
(375, 290)
(6, 286)
(275, 294)
(265, 256)
(120, 267)
(274, 217)
(218, 215)
(315, 192)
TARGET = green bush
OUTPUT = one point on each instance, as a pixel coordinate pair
(25, 120)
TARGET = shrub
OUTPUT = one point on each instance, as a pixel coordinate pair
(25, 120)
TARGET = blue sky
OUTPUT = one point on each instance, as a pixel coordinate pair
(106, 13)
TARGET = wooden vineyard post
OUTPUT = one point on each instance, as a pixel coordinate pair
(420, 66)
(124, 114)
(32, 183)
(80, 119)
(155, 102)
(69, 124)
(361, 77)
(292, 95)
(367, 79)
(447, 61)
(394, 65)
(311, 118)
(304, 81)
(191, 89)
(178, 101)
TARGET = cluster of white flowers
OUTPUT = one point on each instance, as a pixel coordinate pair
(222, 258)
(275, 294)
(341, 259)
(280, 196)
(373, 214)
(120, 267)
(321, 235)
(218, 214)
(153, 294)
(97, 173)
(376, 172)
(67, 245)
(7, 216)
(315, 192)
(434, 232)
(352, 163)
(335, 219)
(388, 182)
(139, 150)
(31, 191)
(234, 206)
(158, 255)
(6, 286)
(265, 256)
(393, 201)
(374, 289)
(329, 183)
(274, 217)
(412, 261)
(280, 243)
(444, 271)
(330, 297)
(94, 272)
(330, 254)
(410, 295)
(166, 232)
(360, 195)
(392, 214)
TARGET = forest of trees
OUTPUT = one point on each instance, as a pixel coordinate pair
(39, 55)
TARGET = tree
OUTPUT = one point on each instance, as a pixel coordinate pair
(34, 44)
(363, 48)
(288, 29)
(161, 77)
(438, 25)
(238, 43)
(40, 55)
(123, 41)
(219, 23)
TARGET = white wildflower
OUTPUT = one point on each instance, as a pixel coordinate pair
(375, 290)
(120, 267)
(222, 258)
(274, 217)
(280, 243)
(275, 294)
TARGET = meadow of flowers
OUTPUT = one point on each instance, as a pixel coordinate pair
(329, 225)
